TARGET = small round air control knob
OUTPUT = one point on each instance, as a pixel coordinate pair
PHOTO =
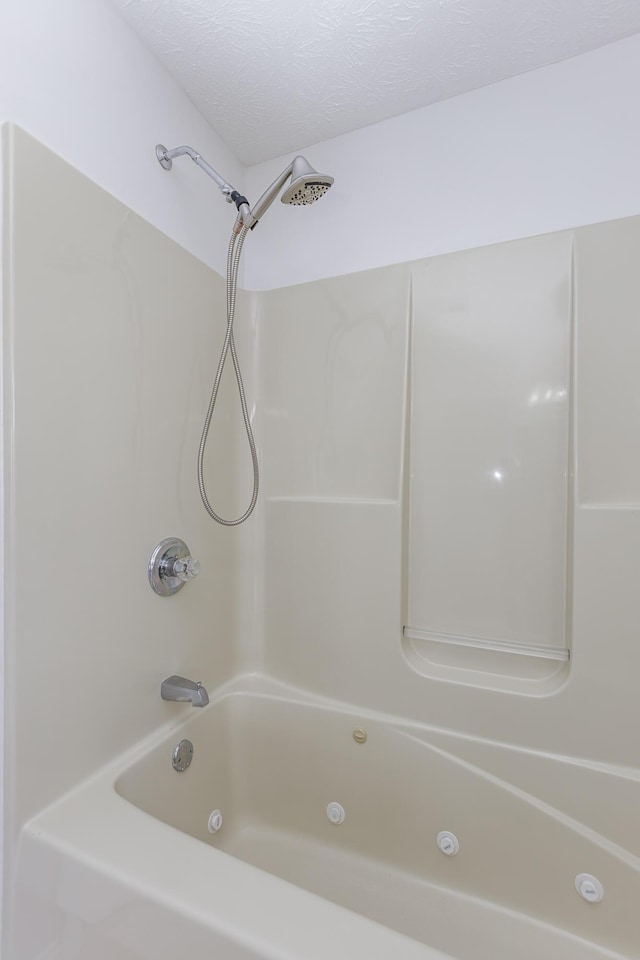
(448, 843)
(589, 888)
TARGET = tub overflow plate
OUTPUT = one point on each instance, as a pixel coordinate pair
(182, 755)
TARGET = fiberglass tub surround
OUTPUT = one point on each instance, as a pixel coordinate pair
(504, 713)
(99, 470)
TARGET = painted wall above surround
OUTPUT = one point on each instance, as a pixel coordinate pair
(272, 77)
(552, 149)
(556, 148)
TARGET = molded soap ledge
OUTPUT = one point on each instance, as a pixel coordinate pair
(543, 652)
(509, 671)
(611, 505)
(337, 500)
(489, 505)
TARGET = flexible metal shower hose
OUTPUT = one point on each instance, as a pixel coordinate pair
(233, 261)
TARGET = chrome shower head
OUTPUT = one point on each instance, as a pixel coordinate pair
(307, 185)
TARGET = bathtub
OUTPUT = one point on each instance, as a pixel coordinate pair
(126, 866)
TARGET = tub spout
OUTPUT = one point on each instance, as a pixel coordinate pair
(179, 688)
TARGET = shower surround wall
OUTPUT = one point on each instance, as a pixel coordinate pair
(110, 333)
(337, 483)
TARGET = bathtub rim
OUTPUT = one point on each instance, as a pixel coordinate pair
(72, 830)
(234, 900)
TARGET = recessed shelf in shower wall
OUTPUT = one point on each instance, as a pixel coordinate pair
(489, 497)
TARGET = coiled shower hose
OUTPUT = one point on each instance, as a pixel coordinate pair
(233, 262)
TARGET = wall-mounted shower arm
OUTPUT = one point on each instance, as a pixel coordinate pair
(307, 185)
(166, 158)
(231, 195)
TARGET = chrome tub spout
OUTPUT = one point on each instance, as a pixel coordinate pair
(181, 689)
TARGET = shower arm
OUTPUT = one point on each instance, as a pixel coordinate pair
(250, 215)
(231, 195)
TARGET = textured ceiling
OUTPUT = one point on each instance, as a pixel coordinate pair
(274, 75)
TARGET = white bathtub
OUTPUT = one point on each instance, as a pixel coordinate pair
(125, 866)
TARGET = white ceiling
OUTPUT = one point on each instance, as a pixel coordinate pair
(272, 76)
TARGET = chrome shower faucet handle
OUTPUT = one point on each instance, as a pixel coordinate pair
(171, 566)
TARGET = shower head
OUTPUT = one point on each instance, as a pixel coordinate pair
(307, 185)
